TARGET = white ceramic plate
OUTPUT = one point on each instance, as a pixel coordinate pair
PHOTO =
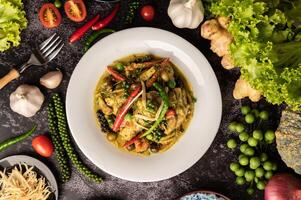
(196, 140)
(203, 194)
(17, 159)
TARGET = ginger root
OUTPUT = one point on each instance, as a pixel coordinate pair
(243, 89)
(210, 28)
(227, 62)
(223, 21)
(221, 44)
(215, 30)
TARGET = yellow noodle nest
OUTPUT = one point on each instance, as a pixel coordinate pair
(23, 183)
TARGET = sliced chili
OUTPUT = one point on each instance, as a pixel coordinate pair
(170, 113)
(132, 141)
(115, 74)
(153, 79)
(125, 108)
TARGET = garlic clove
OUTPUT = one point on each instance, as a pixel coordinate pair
(52, 79)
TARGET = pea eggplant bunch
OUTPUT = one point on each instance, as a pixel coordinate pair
(62, 142)
(253, 166)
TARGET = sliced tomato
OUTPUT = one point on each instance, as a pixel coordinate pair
(75, 10)
(50, 16)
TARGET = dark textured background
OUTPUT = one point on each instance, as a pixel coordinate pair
(211, 172)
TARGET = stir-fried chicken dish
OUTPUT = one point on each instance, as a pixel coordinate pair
(143, 104)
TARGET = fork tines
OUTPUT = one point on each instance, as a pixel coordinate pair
(51, 47)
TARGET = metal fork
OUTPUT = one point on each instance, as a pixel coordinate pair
(45, 52)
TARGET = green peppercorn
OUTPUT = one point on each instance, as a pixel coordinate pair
(58, 147)
(66, 140)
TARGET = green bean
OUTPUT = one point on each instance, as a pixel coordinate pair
(163, 111)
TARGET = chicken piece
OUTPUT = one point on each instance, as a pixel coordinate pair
(141, 145)
(210, 29)
(167, 73)
(182, 112)
(171, 125)
(115, 101)
(227, 62)
(223, 21)
(142, 111)
(243, 89)
(155, 76)
(103, 106)
(179, 98)
(129, 130)
(220, 45)
(147, 74)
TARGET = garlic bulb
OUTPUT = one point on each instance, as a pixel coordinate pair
(186, 13)
(26, 100)
(52, 79)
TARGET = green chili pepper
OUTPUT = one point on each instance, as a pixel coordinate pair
(7, 143)
(95, 35)
(162, 113)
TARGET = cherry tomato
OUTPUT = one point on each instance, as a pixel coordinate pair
(147, 13)
(42, 145)
(170, 113)
(50, 16)
(75, 10)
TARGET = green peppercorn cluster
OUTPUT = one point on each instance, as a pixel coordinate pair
(133, 6)
(66, 140)
(142, 59)
(59, 149)
(104, 125)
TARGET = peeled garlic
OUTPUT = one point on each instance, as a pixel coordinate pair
(52, 79)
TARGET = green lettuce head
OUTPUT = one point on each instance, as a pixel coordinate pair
(12, 21)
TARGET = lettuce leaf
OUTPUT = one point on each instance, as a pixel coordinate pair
(265, 46)
(12, 21)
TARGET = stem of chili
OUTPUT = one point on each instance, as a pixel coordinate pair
(104, 22)
(95, 35)
(163, 112)
(125, 108)
(7, 143)
(82, 30)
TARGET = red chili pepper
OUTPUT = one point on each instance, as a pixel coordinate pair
(124, 109)
(104, 22)
(133, 140)
(76, 35)
(115, 74)
(170, 113)
(153, 79)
